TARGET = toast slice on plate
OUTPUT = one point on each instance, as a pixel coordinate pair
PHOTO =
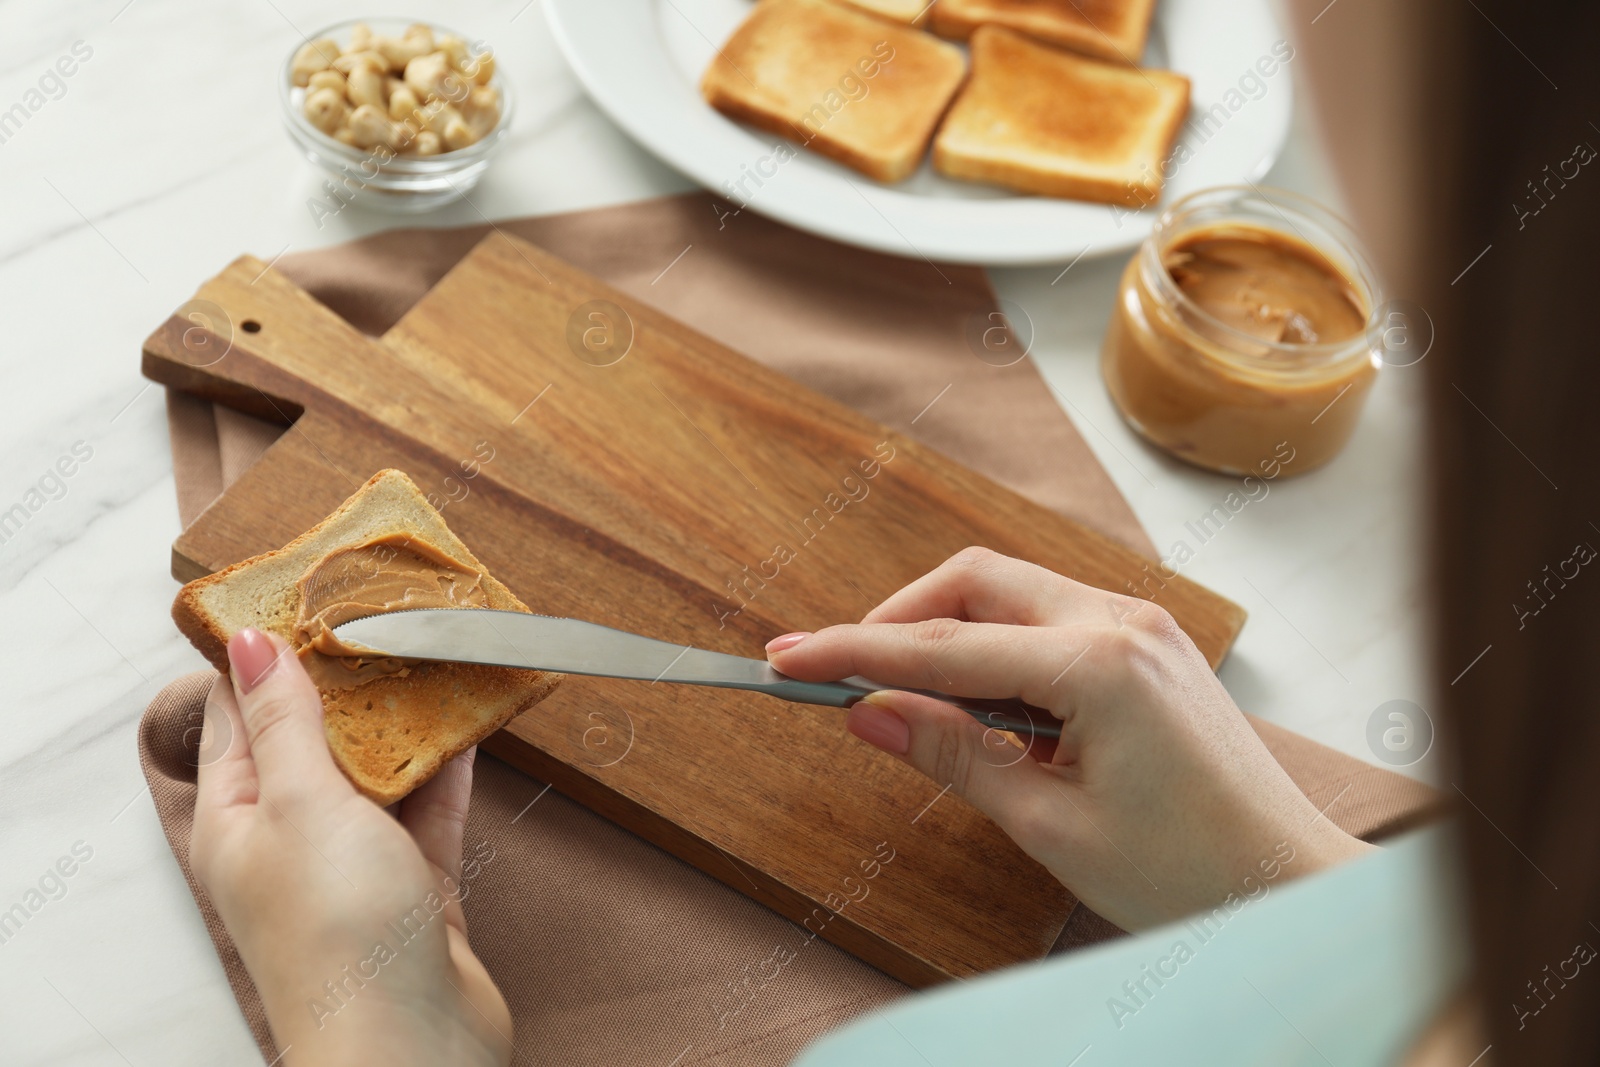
(1113, 30)
(1040, 120)
(858, 89)
(391, 724)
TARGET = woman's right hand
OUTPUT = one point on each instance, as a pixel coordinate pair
(1159, 800)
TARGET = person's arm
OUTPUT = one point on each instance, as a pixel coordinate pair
(348, 920)
(1159, 800)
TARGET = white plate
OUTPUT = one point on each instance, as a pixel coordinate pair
(641, 61)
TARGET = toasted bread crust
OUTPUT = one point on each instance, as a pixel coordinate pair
(859, 88)
(391, 734)
(1113, 30)
(211, 645)
(909, 12)
(1040, 120)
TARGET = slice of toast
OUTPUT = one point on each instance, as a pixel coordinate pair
(910, 12)
(1113, 30)
(853, 87)
(393, 732)
(1041, 120)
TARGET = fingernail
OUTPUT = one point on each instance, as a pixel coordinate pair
(879, 727)
(778, 644)
(252, 656)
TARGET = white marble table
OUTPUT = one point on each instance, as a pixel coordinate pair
(161, 161)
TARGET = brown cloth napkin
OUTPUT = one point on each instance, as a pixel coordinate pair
(608, 950)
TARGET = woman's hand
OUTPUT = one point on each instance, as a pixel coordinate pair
(348, 919)
(1159, 800)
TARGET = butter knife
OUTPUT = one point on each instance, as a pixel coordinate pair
(573, 646)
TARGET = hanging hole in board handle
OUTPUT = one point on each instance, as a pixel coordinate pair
(250, 326)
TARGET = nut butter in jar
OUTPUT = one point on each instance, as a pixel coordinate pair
(1242, 324)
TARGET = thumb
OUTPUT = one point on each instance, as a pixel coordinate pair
(984, 766)
(436, 815)
(282, 713)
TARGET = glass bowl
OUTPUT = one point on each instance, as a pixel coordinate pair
(399, 184)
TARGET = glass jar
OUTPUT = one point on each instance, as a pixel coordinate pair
(1231, 393)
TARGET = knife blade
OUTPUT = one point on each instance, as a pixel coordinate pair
(574, 646)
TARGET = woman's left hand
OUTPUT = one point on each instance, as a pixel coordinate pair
(349, 920)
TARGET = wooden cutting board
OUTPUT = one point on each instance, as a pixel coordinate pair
(608, 463)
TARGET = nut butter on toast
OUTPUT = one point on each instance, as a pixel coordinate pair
(1113, 30)
(391, 724)
(860, 89)
(1040, 120)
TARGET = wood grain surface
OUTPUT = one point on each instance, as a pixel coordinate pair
(608, 463)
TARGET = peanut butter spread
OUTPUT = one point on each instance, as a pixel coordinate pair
(1288, 370)
(386, 574)
(1269, 286)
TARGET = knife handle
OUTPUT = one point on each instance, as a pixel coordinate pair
(1011, 715)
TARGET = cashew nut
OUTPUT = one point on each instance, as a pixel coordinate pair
(351, 60)
(438, 118)
(418, 41)
(365, 86)
(403, 103)
(312, 57)
(326, 110)
(421, 33)
(475, 65)
(457, 134)
(430, 75)
(326, 79)
(360, 38)
(370, 127)
(455, 48)
(483, 67)
(481, 109)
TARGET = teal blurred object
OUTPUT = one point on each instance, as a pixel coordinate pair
(1344, 968)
